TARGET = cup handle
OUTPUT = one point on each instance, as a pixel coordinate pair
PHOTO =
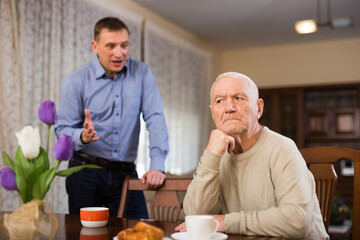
(217, 226)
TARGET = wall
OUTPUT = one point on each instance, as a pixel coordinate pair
(140, 10)
(297, 64)
(273, 66)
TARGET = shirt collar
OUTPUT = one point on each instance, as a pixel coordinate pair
(100, 71)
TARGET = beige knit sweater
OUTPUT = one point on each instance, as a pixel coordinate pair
(267, 190)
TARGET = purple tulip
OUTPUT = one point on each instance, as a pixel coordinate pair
(47, 112)
(8, 180)
(63, 149)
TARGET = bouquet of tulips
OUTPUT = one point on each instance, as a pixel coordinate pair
(30, 172)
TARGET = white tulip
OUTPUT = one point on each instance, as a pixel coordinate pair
(29, 141)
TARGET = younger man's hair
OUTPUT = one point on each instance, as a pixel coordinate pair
(111, 23)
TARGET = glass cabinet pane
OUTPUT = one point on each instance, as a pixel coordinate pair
(265, 119)
(288, 115)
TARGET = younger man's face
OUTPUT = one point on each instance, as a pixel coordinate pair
(112, 48)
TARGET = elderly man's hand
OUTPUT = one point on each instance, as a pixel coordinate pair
(153, 179)
(220, 142)
(181, 227)
(220, 218)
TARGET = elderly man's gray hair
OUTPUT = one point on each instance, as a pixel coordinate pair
(235, 75)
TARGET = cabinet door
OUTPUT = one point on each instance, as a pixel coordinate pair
(346, 123)
(283, 112)
(268, 119)
(317, 124)
(333, 124)
(289, 115)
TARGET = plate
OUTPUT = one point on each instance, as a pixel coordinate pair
(164, 238)
(184, 236)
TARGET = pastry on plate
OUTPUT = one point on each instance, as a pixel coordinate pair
(142, 231)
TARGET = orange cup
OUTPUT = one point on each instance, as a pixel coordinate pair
(94, 216)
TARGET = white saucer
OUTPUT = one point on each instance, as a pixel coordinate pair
(184, 236)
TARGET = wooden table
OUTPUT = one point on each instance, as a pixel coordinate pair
(70, 228)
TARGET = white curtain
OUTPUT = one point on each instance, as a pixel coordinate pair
(182, 72)
(43, 41)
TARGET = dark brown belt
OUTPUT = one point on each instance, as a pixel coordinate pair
(102, 162)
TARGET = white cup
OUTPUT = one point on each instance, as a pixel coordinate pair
(200, 226)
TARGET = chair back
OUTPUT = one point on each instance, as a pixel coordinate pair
(320, 161)
(165, 206)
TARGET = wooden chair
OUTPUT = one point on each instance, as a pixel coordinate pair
(165, 206)
(321, 161)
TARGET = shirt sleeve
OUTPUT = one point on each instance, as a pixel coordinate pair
(292, 216)
(203, 193)
(153, 114)
(71, 112)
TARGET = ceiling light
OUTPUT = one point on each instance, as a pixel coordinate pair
(341, 22)
(311, 25)
(305, 26)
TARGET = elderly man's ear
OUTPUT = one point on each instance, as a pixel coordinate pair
(260, 104)
(211, 110)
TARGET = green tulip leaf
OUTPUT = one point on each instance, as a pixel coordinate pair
(27, 175)
(48, 181)
(40, 163)
(69, 171)
(38, 186)
(19, 157)
(40, 168)
(42, 184)
(30, 175)
(44, 154)
(8, 161)
(21, 181)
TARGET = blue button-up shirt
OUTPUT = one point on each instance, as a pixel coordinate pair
(115, 106)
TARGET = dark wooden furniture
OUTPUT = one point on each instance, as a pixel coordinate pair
(283, 112)
(341, 232)
(314, 115)
(70, 228)
(165, 206)
(321, 161)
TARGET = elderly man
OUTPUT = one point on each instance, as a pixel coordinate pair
(253, 177)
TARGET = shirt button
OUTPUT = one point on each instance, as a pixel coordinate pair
(117, 95)
(117, 114)
(115, 150)
(116, 132)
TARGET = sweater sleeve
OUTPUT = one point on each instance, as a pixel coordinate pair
(292, 215)
(203, 194)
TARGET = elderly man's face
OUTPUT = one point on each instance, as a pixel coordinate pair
(235, 107)
(112, 48)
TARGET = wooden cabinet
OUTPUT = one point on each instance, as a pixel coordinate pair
(332, 116)
(334, 124)
(315, 115)
(283, 112)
